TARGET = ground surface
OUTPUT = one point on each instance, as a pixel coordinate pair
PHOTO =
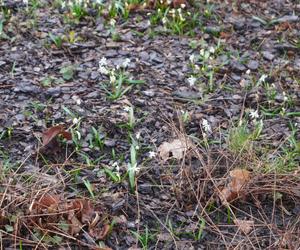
(223, 81)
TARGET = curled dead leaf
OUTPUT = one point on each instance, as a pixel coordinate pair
(51, 133)
(246, 226)
(84, 210)
(236, 185)
(175, 149)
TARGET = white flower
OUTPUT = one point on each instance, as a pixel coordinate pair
(103, 62)
(116, 165)
(127, 108)
(126, 63)
(254, 114)
(192, 80)
(285, 98)
(206, 126)
(248, 72)
(75, 121)
(25, 2)
(103, 70)
(212, 50)
(112, 22)
(262, 78)
(112, 78)
(76, 99)
(138, 135)
(192, 58)
(164, 20)
(182, 5)
(151, 154)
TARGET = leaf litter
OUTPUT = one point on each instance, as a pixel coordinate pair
(173, 149)
(236, 187)
(76, 214)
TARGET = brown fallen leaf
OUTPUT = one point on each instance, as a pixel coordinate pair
(100, 233)
(238, 180)
(75, 225)
(47, 202)
(179, 3)
(51, 133)
(84, 210)
(246, 226)
(176, 148)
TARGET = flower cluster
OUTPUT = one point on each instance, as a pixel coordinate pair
(107, 70)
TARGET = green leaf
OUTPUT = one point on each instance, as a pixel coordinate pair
(67, 72)
(63, 225)
(112, 175)
(89, 187)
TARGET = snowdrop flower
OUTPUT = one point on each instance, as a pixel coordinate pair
(103, 70)
(112, 78)
(75, 121)
(127, 108)
(285, 98)
(164, 20)
(169, 2)
(192, 58)
(182, 5)
(192, 80)
(138, 135)
(254, 114)
(103, 62)
(262, 78)
(212, 50)
(25, 2)
(248, 72)
(151, 154)
(112, 22)
(206, 126)
(126, 63)
(116, 165)
(76, 99)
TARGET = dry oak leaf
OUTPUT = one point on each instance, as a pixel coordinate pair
(245, 226)
(50, 134)
(47, 202)
(176, 148)
(238, 180)
(84, 210)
